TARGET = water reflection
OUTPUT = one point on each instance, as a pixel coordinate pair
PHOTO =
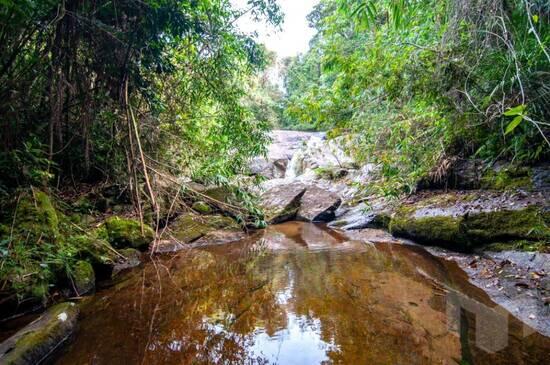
(301, 294)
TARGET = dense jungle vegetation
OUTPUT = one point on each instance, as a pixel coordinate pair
(137, 94)
(422, 82)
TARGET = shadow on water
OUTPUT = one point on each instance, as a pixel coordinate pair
(301, 294)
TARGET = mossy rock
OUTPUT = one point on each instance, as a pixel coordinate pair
(505, 225)
(519, 245)
(37, 341)
(463, 232)
(83, 277)
(123, 233)
(444, 231)
(36, 215)
(189, 227)
(202, 208)
(222, 194)
(508, 178)
(132, 258)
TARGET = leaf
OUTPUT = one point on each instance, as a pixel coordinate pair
(513, 124)
(517, 110)
(535, 18)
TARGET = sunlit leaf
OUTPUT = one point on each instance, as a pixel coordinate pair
(513, 124)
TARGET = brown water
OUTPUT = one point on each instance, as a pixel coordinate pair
(300, 294)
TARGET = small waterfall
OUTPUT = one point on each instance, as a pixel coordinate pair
(295, 166)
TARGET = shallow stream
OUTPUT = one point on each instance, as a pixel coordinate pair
(299, 293)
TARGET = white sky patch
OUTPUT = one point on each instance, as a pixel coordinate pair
(295, 34)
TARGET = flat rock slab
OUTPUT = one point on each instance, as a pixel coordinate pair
(189, 227)
(515, 280)
(282, 202)
(462, 221)
(220, 237)
(318, 205)
(38, 340)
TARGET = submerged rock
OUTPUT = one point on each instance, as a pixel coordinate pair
(318, 205)
(220, 237)
(282, 202)
(463, 221)
(37, 341)
(123, 233)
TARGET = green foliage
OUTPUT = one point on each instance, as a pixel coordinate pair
(73, 72)
(419, 81)
(40, 247)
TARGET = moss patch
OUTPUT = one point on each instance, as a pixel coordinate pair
(36, 341)
(508, 178)
(202, 208)
(83, 277)
(442, 231)
(190, 227)
(124, 233)
(467, 231)
(507, 225)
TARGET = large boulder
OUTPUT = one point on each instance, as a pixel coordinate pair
(462, 221)
(318, 205)
(124, 233)
(281, 203)
(37, 341)
(189, 228)
(374, 214)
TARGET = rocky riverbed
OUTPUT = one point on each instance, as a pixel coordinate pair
(456, 275)
(481, 228)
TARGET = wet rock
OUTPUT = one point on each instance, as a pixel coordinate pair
(513, 279)
(374, 215)
(282, 202)
(189, 227)
(83, 278)
(269, 168)
(130, 258)
(38, 340)
(318, 205)
(463, 221)
(220, 237)
(123, 233)
(466, 174)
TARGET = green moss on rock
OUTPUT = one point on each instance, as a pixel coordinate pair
(189, 227)
(124, 233)
(37, 215)
(470, 229)
(83, 277)
(506, 225)
(36, 341)
(508, 178)
(442, 231)
(202, 208)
